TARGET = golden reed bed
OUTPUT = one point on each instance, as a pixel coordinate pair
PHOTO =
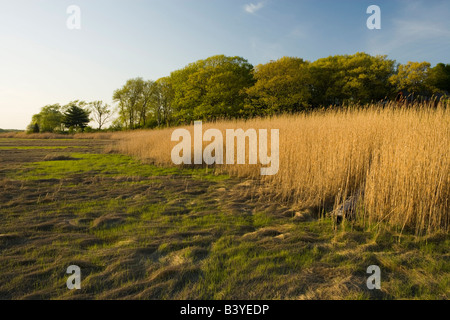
(397, 159)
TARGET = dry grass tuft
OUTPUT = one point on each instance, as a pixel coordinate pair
(58, 157)
(94, 135)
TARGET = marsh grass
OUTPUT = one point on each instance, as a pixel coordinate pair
(397, 159)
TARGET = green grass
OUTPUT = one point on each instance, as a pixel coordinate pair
(111, 165)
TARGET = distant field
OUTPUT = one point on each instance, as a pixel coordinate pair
(141, 231)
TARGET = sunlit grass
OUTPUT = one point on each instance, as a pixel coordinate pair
(396, 158)
(105, 165)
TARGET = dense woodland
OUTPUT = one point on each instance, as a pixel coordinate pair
(222, 87)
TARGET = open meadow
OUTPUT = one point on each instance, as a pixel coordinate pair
(141, 228)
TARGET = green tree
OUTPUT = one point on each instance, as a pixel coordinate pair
(210, 89)
(351, 78)
(439, 78)
(163, 103)
(281, 86)
(412, 77)
(147, 108)
(183, 102)
(366, 77)
(49, 119)
(135, 100)
(33, 127)
(325, 82)
(101, 112)
(76, 117)
(127, 98)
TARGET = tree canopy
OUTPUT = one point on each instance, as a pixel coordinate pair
(210, 89)
(351, 78)
(101, 112)
(136, 102)
(76, 117)
(412, 77)
(439, 78)
(49, 119)
(281, 86)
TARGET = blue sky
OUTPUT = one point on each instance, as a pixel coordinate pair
(43, 62)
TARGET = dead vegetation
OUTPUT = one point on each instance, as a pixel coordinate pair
(393, 162)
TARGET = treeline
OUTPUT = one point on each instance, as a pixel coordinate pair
(230, 87)
(8, 130)
(222, 87)
(70, 118)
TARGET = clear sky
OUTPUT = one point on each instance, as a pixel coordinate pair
(43, 62)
